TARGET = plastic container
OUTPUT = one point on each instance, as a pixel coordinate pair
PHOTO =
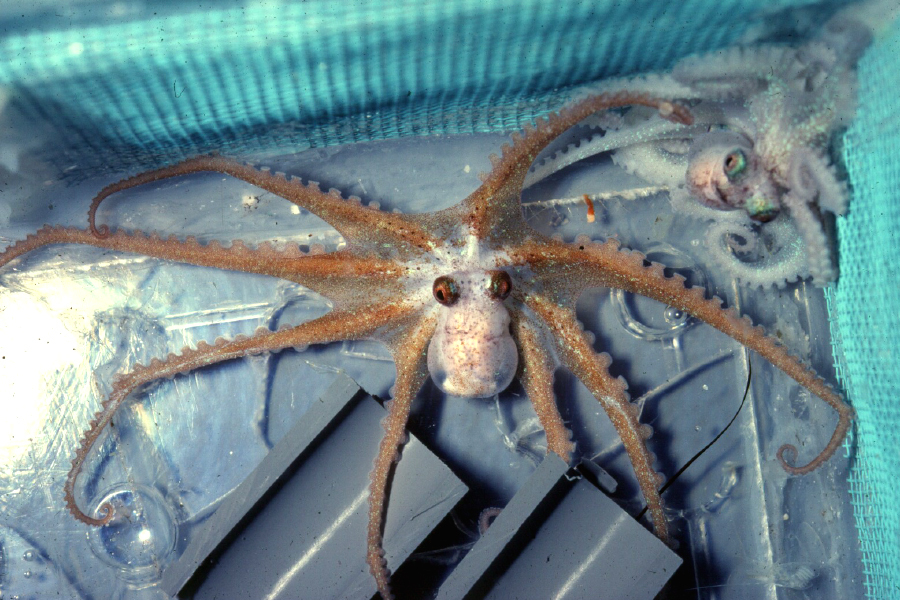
(72, 317)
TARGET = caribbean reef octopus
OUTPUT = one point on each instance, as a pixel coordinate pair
(470, 296)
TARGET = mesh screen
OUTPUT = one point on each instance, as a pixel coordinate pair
(315, 73)
(866, 312)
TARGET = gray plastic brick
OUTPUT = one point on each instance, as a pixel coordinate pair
(306, 536)
(561, 537)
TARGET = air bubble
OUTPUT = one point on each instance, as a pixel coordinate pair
(674, 315)
(28, 555)
(647, 319)
(141, 536)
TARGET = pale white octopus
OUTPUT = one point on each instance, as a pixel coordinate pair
(764, 120)
(781, 161)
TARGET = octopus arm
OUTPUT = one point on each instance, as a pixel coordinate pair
(813, 182)
(577, 355)
(409, 348)
(334, 326)
(637, 130)
(734, 72)
(494, 205)
(607, 265)
(536, 375)
(810, 175)
(321, 272)
(786, 263)
(626, 136)
(809, 225)
(355, 222)
(661, 85)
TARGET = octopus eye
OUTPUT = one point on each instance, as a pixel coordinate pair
(501, 285)
(445, 290)
(735, 163)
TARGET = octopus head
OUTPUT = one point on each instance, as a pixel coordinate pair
(472, 353)
(725, 173)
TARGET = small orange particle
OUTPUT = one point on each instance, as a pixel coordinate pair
(590, 205)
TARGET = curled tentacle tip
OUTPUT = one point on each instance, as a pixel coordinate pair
(787, 454)
(101, 231)
(108, 512)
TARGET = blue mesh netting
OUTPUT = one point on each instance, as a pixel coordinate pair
(126, 93)
(866, 309)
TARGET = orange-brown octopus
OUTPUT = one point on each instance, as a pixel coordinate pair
(470, 295)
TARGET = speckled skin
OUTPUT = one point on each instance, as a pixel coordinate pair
(472, 353)
(390, 284)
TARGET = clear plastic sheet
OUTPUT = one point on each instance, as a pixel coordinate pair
(72, 317)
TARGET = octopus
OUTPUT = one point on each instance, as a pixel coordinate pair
(778, 160)
(757, 153)
(470, 296)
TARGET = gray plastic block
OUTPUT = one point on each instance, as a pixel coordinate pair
(561, 537)
(306, 536)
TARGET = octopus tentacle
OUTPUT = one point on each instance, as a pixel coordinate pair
(608, 141)
(810, 227)
(734, 72)
(493, 205)
(607, 265)
(409, 356)
(660, 85)
(786, 263)
(653, 162)
(618, 137)
(315, 271)
(577, 354)
(352, 220)
(811, 175)
(334, 326)
(536, 375)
